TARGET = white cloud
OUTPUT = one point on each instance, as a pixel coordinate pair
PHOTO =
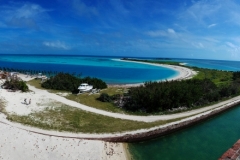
(211, 25)
(57, 44)
(233, 49)
(24, 15)
(230, 45)
(162, 33)
(205, 12)
(171, 31)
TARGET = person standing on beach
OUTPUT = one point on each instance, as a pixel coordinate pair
(29, 101)
(25, 100)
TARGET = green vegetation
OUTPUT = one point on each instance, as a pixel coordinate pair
(220, 91)
(2, 106)
(65, 118)
(163, 96)
(67, 82)
(160, 61)
(220, 78)
(209, 86)
(15, 84)
(92, 100)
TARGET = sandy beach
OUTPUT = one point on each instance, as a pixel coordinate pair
(23, 142)
(20, 144)
(183, 72)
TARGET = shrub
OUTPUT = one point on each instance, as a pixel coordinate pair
(104, 97)
(16, 84)
(67, 82)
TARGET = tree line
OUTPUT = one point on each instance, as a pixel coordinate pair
(68, 82)
(163, 96)
(155, 97)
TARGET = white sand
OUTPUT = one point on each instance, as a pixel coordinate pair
(183, 72)
(18, 144)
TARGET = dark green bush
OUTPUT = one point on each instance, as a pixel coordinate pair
(16, 84)
(104, 97)
(68, 82)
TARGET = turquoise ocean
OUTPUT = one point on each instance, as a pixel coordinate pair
(109, 69)
(205, 141)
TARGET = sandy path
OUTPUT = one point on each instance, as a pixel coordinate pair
(43, 93)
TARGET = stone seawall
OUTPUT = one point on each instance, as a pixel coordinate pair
(161, 131)
(233, 153)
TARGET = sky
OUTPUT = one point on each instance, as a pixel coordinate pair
(204, 29)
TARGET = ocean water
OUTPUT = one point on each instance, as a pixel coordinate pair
(109, 69)
(205, 141)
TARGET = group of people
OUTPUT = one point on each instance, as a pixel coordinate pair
(25, 101)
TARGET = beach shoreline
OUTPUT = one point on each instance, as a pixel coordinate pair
(183, 73)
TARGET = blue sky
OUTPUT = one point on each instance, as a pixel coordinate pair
(208, 29)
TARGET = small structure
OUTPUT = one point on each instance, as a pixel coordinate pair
(42, 77)
(84, 87)
(39, 76)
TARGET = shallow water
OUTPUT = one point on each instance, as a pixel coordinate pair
(207, 140)
(108, 69)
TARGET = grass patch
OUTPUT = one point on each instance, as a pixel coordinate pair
(66, 118)
(36, 83)
(216, 76)
(90, 100)
(2, 106)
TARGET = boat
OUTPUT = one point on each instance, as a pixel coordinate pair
(84, 87)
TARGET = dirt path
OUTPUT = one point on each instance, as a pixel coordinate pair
(63, 100)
